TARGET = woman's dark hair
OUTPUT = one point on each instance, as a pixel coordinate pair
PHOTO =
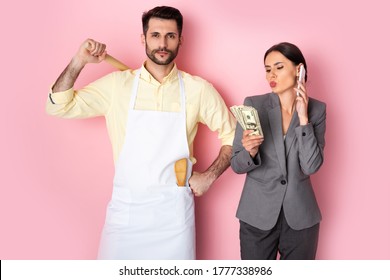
(292, 52)
(163, 12)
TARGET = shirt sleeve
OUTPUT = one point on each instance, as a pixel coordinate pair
(91, 101)
(215, 114)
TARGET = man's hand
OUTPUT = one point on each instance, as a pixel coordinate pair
(200, 182)
(91, 51)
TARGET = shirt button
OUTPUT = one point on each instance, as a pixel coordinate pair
(283, 182)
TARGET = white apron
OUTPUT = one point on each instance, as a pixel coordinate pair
(149, 216)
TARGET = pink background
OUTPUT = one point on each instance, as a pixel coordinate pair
(56, 175)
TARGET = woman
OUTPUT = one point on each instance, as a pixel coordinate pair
(278, 211)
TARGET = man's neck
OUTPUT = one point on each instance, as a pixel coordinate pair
(159, 72)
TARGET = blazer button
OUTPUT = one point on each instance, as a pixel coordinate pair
(303, 133)
(283, 182)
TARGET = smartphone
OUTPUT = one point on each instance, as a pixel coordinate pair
(302, 74)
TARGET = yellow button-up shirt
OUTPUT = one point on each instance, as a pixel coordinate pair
(109, 96)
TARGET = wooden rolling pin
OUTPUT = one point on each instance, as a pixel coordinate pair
(115, 62)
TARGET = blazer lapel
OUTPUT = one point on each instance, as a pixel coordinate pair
(275, 119)
(290, 137)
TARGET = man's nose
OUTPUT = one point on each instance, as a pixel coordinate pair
(162, 42)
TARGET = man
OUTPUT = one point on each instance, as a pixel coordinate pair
(152, 116)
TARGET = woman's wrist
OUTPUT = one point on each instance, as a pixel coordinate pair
(303, 121)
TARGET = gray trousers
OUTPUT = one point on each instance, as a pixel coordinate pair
(257, 244)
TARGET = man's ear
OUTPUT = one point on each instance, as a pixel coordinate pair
(181, 39)
(143, 39)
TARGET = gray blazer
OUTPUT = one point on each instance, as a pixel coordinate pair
(279, 175)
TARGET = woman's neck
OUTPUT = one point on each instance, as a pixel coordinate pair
(287, 102)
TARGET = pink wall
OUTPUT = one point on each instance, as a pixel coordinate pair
(56, 175)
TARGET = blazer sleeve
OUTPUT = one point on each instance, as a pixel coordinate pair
(241, 161)
(311, 140)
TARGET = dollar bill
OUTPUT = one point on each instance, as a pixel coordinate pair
(248, 118)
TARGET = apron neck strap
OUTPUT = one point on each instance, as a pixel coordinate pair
(134, 91)
(182, 93)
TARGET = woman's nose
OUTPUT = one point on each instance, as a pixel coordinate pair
(272, 74)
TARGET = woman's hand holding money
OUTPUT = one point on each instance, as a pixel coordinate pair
(251, 143)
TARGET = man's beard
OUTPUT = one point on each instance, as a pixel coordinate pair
(152, 55)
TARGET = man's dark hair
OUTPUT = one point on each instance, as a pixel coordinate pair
(163, 12)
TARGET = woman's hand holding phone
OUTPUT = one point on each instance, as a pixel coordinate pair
(301, 78)
(302, 98)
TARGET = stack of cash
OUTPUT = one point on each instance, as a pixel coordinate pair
(248, 118)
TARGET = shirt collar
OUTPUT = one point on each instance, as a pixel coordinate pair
(172, 76)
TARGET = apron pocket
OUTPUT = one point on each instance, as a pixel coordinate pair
(185, 206)
(150, 209)
(118, 213)
(118, 210)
